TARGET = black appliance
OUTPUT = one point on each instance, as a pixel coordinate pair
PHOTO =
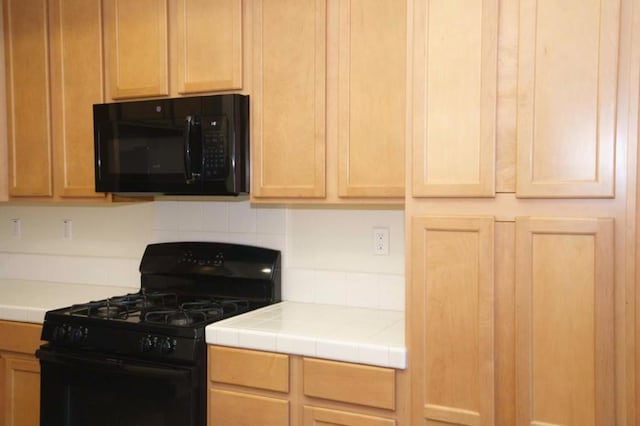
(140, 359)
(180, 146)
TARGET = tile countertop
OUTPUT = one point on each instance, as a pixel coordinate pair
(28, 301)
(342, 333)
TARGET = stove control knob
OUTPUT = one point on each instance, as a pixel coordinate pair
(167, 345)
(77, 334)
(60, 333)
(148, 343)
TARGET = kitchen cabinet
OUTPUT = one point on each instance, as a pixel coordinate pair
(296, 390)
(19, 374)
(161, 48)
(564, 321)
(453, 98)
(137, 46)
(328, 94)
(54, 75)
(451, 328)
(531, 277)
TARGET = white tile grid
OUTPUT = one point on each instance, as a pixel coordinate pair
(367, 290)
(116, 272)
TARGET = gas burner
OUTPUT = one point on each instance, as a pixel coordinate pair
(175, 317)
(103, 310)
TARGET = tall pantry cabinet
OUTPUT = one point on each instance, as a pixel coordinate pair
(520, 211)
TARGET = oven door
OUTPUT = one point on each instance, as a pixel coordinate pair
(80, 389)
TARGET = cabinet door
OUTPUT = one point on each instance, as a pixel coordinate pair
(371, 98)
(564, 322)
(288, 99)
(137, 47)
(567, 83)
(228, 408)
(22, 391)
(209, 36)
(77, 83)
(314, 416)
(451, 302)
(454, 96)
(28, 85)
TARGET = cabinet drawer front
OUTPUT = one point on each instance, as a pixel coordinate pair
(254, 369)
(22, 337)
(237, 409)
(314, 416)
(351, 383)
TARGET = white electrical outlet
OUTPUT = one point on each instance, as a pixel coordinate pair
(67, 229)
(380, 241)
(16, 229)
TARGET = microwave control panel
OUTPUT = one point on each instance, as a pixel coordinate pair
(215, 163)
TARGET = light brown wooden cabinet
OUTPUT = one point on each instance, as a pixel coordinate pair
(54, 75)
(19, 374)
(328, 94)
(161, 47)
(282, 390)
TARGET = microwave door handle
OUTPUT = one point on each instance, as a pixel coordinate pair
(187, 149)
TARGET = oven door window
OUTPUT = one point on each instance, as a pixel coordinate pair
(80, 390)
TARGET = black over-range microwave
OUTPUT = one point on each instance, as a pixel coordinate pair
(180, 146)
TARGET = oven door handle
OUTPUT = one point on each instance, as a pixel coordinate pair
(105, 362)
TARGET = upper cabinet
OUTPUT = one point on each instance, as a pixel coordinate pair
(137, 47)
(454, 91)
(54, 74)
(288, 103)
(209, 52)
(567, 86)
(26, 33)
(328, 99)
(141, 35)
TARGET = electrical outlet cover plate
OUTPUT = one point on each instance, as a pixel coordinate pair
(381, 241)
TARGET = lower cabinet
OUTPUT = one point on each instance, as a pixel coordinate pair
(249, 387)
(19, 374)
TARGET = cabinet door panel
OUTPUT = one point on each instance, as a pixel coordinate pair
(371, 98)
(314, 416)
(228, 408)
(288, 99)
(454, 97)
(564, 322)
(567, 98)
(451, 303)
(209, 45)
(137, 49)
(22, 392)
(77, 82)
(28, 88)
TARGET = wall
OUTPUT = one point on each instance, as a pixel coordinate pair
(327, 252)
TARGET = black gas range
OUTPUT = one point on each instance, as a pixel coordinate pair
(140, 359)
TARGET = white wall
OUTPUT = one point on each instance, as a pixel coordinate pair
(327, 252)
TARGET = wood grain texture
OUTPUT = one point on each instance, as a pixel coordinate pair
(567, 89)
(288, 112)
(77, 83)
(564, 321)
(261, 370)
(209, 45)
(228, 408)
(22, 391)
(26, 34)
(451, 301)
(136, 39)
(20, 337)
(454, 56)
(350, 383)
(316, 416)
(371, 98)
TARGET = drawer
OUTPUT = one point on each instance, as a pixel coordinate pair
(350, 383)
(20, 337)
(255, 369)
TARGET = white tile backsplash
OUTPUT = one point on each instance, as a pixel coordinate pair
(327, 256)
